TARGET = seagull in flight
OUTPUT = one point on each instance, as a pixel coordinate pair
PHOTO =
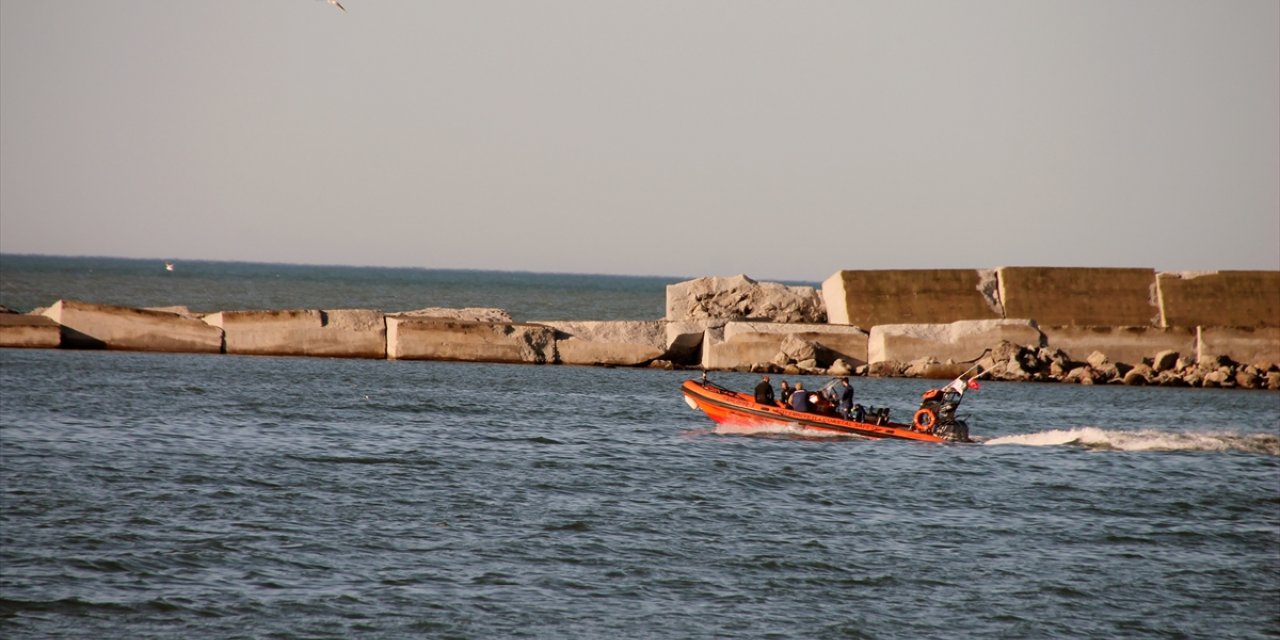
(337, 4)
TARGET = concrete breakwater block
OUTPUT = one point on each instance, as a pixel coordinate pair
(1120, 344)
(1056, 296)
(411, 338)
(742, 344)
(87, 325)
(911, 296)
(30, 331)
(618, 343)
(338, 333)
(1220, 298)
(1253, 345)
(957, 341)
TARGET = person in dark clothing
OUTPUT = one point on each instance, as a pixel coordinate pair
(845, 407)
(800, 399)
(764, 391)
(784, 394)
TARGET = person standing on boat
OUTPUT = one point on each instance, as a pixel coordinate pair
(764, 391)
(846, 398)
(784, 394)
(800, 399)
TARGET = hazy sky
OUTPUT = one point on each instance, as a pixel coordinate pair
(784, 140)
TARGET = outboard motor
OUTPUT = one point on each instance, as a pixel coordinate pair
(937, 415)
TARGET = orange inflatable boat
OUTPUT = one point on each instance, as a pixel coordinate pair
(934, 421)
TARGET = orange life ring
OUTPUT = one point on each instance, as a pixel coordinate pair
(924, 419)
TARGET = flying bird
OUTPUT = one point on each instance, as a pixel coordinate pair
(338, 5)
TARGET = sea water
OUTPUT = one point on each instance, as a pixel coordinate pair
(170, 495)
(29, 282)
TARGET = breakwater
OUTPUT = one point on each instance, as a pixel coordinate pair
(1080, 325)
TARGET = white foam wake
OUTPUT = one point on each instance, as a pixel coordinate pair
(1146, 440)
(796, 431)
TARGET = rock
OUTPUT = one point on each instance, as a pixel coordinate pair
(884, 369)
(797, 349)
(1107, 373)
(1273, 380)
(1120, 344)
(1139, 375)
(1081, 375)
(1012, 370)
(1248, 379)
(1165, 361)
(1263, 366)
(1097, 359)
(916, 368)
(840, 368)
(665, 365)
(1217, 378)
(1243, 345)
(741, 298)
(1170, 379)
(87, 325)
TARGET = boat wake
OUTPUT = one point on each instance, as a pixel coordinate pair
(782, 431)
(1098, 439)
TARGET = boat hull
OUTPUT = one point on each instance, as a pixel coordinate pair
(740, 410)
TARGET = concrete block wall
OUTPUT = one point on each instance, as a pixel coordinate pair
(1220, 299)
(741, 344)
(1055, 296)
(343, 333)
(910, 296)
(89, 325)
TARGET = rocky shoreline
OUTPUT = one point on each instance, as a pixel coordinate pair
(726, 324)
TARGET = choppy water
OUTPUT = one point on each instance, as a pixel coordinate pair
(153, 495)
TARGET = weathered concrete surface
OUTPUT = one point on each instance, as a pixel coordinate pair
(910, 296)
(1120, 344)
(472, 314)
(1056, 296)
(87, 325)
(684, 341)
(957, 341)
(32, 331)
(1220, 299)
(741, 298)
(461, 340)
(337, 333)
(620, 343)
(742, 344)
(1247, 345)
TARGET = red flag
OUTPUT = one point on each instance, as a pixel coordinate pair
(973, 383)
